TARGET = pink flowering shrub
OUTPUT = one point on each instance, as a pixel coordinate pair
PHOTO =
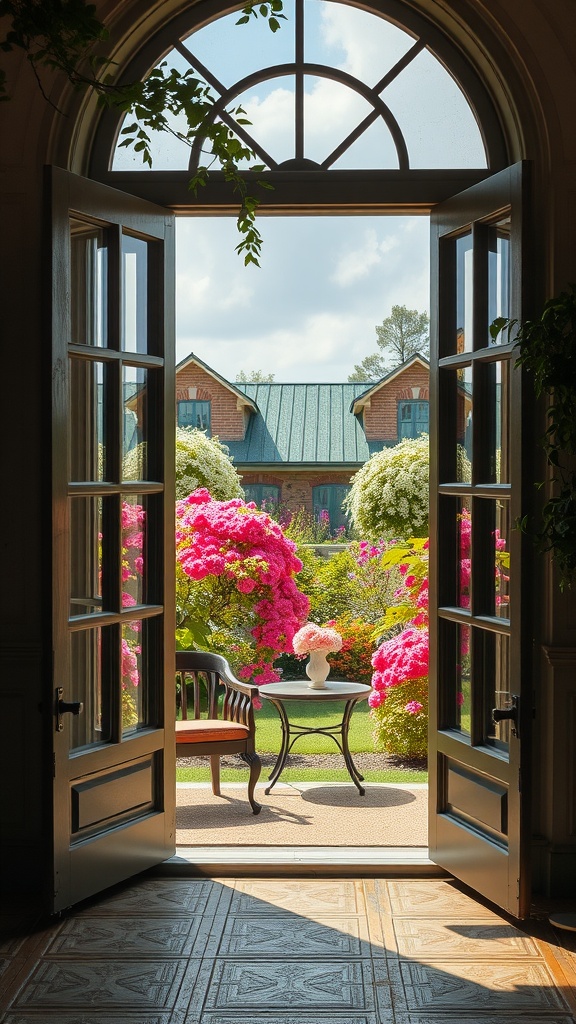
(133, 520)
(316, 638)
(236, 588)
(399, 698)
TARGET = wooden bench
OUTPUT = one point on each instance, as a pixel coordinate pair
(228, 724)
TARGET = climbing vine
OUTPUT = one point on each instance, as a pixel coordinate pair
(547, 347)
(63, 36)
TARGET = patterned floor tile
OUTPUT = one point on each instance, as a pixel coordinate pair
(269, 936)
(494, 988)
(448, 940)
(102, 985)
(429, 898)
(309, 1018)
(469, 1016)
(87, 1017)
(304, 896)
(98, 936)
(292, 986)
(158, 897)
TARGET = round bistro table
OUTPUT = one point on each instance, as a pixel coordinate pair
(282, 694)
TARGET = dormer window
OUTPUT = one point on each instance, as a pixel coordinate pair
(412, 419)
(194, 414)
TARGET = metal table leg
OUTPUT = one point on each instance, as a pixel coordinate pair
(352, 769)
(284, 747)
(339, 733)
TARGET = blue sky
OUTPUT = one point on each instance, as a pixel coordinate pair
(310, 312)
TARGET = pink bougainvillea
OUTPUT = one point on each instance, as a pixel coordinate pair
(247, 551)
(403, 657)
(401, 663)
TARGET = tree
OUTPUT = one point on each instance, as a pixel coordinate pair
(403, 334)
(254, 377)
(390, 494)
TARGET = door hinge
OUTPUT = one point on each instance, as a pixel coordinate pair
(53, 765)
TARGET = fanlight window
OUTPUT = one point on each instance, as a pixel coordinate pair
(336, 88)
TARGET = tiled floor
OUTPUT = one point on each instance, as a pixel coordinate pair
(287, 951)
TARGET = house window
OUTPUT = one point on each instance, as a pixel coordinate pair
(412, 419)
(194, 414)
(262, 494)
(327, 502)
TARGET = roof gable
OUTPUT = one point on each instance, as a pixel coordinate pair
(363, 399)
(242, 398)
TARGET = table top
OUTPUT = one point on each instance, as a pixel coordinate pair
(298, 689)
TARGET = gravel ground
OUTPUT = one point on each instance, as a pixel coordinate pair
(364, 762)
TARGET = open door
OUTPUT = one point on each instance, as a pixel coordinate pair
(112, 369)
(480, 680)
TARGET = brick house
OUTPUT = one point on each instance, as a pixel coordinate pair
(299, 444)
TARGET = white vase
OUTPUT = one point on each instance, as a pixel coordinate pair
(317, 669)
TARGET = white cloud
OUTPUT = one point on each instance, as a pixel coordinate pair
(359, 262)
(310, 312)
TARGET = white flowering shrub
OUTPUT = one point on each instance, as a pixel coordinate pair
(390, 494)
(201, 461)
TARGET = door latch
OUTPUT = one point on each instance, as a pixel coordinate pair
(65, 707)
(508, 713)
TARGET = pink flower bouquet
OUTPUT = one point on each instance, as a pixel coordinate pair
(316, 638)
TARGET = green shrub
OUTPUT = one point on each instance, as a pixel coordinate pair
(397, 732)
(354, 659)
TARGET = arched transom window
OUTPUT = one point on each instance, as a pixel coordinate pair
(338, 91)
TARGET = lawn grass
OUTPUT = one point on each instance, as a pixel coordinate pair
(317, 715)
(314, 716)
(302, 775)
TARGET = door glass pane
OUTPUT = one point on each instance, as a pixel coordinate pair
(464, 294)
(455, 675)
(499, 275)
(501, 554)
(132, 677)
(85, 556)
(464, 582)
(463, 680)
(134, 294)
(89, 296)
(86, 436)
(495, 662)
(493, 572)
(464, 414)
(86, 685)
(133, 545)
(135, 382)
(494, 380)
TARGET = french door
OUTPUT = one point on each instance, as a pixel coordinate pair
(112, 369)
(481, 706)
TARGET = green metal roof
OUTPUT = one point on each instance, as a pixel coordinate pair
(303, 424)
